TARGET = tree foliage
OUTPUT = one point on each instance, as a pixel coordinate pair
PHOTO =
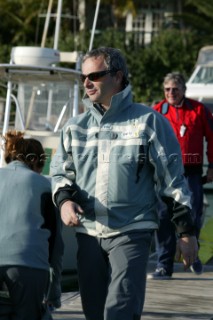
(197, 16)
(18, 20)
(148, 66)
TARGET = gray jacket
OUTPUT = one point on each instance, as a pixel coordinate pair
(25, 197)
(115, 166)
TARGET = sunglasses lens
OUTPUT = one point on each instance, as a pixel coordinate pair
(94, 76)
(171, 89)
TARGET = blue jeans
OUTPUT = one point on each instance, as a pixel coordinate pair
(112, 275)
(166, 237)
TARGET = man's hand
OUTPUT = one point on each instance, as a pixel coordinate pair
(69, 213)
(187, 247)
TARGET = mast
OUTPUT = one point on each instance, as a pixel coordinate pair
(94, 24)
(58, 23)
(46, 25)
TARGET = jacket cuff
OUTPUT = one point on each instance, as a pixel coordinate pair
(187, 233)
(64, 194)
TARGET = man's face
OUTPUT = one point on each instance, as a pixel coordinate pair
(103, 88)
(173, 92)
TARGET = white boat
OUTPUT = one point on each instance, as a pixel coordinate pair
(39, 100)
(200, 84)
(41, 97)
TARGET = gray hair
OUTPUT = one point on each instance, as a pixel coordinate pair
(176, 77)
(113, 59)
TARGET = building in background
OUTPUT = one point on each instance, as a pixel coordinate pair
(140, 19)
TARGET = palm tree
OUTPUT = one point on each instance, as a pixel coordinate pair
(18, 20)
(197, 16)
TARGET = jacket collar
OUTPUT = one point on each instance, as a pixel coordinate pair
(17, 164)
(119, 102)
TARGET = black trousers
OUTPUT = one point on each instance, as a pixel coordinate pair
(26, 288)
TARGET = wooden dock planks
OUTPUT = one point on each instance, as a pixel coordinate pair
(184, 297)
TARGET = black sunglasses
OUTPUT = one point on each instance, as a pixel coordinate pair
(94, 76)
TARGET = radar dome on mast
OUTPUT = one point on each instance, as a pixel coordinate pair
(35, 56)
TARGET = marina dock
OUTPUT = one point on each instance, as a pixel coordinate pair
(185, 297)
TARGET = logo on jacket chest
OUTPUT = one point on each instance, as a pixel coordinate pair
(130, 132)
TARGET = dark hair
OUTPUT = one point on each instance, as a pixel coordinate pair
(29, 151)
(113, 59)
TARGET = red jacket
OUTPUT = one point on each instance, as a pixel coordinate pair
(191, 122)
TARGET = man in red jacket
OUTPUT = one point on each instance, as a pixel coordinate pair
(192, 122)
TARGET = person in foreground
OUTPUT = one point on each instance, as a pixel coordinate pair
(191, 122)
(112, 163)
(28, 228)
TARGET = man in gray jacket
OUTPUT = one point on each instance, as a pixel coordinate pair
(112, 164)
